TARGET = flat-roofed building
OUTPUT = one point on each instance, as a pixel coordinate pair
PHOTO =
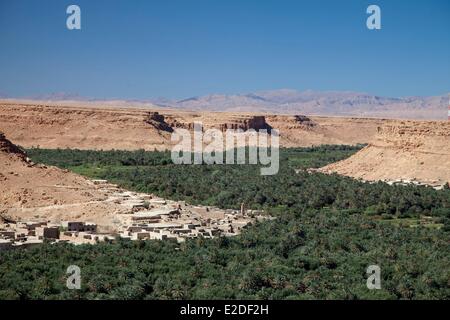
(8, 234)
(75, 226)
(135, 228)
(153, 214)
(47, 232)
(90, 227)
(158, 236)
(140, 235)
(79, 226)
(164, 225)
(191, 226)
(181, 231)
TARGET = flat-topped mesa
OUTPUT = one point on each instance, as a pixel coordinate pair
(157, 120)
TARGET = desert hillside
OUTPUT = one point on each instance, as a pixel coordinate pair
(409, 151)
(397, 150)
(49, 126)
(31, 191)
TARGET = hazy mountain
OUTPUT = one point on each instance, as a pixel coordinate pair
(287, 101)
(319, 103)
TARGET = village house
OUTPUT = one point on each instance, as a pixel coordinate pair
(78, 226)
(7, 234)
(47, 232)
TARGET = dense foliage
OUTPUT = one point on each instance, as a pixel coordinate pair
(327, 231)
(230, 185)
(298, 256)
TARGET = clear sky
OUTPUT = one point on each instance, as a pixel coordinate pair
(168, 48)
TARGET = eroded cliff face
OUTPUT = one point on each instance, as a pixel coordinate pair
(7, 147)
(408, 151)
(158, 121)
(293, 122)
(222, 122)
(80, 128)
(426, 137)
(246, 123)
(131, 129)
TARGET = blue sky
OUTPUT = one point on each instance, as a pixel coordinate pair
(145, 49)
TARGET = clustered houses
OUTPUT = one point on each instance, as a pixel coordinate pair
(80, 226)
(435, 184)
(186, 221)
(143, 217)
(27, 234)
(78, 232)
(149, 217)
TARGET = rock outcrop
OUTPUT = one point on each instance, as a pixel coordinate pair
(246, 123)
(157, 120)
(7, 147)
(232, 122)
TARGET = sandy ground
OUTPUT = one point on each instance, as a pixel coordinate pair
(131, 129)
(397, 150)
(411, 151)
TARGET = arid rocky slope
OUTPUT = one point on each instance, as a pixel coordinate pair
(409, 151)
(398, 150)
(129, 129)
(31, 191)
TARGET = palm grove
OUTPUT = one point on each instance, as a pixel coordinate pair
(327, 230)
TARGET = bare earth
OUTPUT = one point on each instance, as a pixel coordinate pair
(33, 192)
(30, 191)
(410, 151)
(130, 129)
(397, 150)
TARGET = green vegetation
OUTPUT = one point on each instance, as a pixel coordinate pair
(227, 186)
(327, 231)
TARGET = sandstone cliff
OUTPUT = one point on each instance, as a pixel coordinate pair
(130, 129)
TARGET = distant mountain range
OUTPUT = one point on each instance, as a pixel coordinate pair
(287, 101)
(319, 103)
